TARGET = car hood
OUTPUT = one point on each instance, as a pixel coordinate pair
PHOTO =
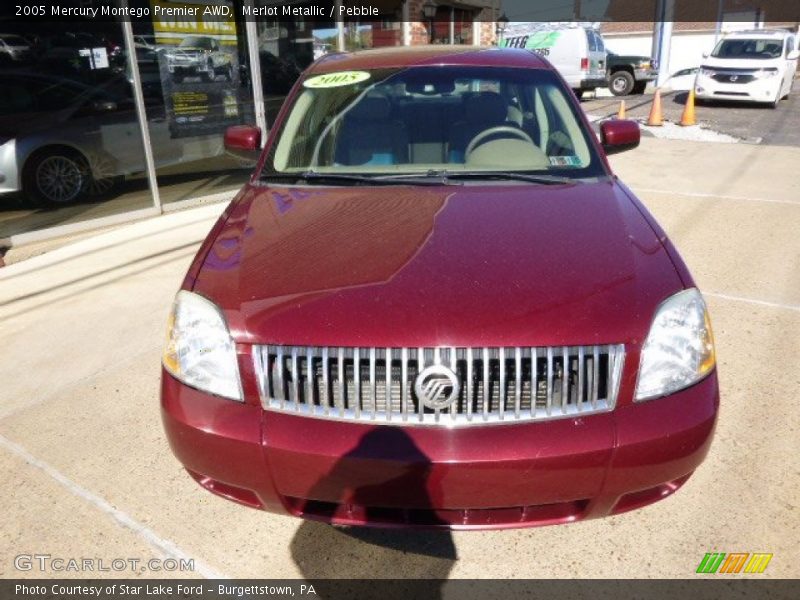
(446, 265)
(741, 63)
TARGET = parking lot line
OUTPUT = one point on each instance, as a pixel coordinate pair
(794, 307)
(168, 548)
(716, 196)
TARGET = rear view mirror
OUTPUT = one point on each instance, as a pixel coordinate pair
(243, 141)
(793, 55)
(619, 135)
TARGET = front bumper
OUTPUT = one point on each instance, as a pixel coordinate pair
(758, 90)
(468, 478)
(645, 74)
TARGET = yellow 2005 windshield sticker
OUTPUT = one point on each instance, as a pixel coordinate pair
(330, 80)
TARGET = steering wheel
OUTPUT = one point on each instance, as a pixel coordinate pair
(505, 129)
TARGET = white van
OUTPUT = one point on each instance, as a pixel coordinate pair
(576, 50)
(749, 66)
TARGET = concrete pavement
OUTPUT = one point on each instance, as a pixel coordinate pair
(89, 472)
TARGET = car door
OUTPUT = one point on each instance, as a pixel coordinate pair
(791, 65)
(597, 57)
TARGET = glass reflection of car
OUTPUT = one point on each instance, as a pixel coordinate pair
(434, 242)
(13, 48)
(199, 56)
(62, 141)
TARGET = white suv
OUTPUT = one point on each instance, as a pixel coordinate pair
(749, 66)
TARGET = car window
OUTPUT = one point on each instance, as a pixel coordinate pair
(599, 42)
(16, 98)
(194, 41)
(590, 38)
(434, 118)
(14, 40)
(748, 48)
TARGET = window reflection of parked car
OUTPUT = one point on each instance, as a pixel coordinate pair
(13, 48)
(199, 56)
(62, 140)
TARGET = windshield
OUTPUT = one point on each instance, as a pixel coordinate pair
(743, 48)
(434, 118)
(194, 41)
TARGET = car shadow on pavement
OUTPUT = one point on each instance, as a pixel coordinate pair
(399, 470)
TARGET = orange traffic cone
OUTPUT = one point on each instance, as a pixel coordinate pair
(688, 118)
(656, 118)
(621, 114)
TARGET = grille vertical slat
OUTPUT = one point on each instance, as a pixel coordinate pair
(340, 385)
(295, 397)
(564, 379)
(517, 381)
(595, 375)
(388, 389)
(404, 381)
(325, 380)
(501, 394)
(357, 380)
(581, 364)
(373, 390)
(309, 377)
(454, 407)
(469, 384)
(498, 384)
(420, 367)
(279, 376)
(534, 380)
(486, 383)
(549, 381)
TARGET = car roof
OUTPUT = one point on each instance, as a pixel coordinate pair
(395, 57)
(759, 33)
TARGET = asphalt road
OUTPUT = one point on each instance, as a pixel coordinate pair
(88, 472)
(754, 123)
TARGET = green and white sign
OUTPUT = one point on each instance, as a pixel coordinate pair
(540, 41)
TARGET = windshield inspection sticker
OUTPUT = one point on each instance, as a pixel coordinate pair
(331, 80)
(565, 161)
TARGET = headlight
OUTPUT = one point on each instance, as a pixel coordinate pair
(644, 64)
(706, 72)
(200, 351)
(765, 73)
(679, 350)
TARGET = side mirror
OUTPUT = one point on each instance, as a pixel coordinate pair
(619, 135)
(243, 141)
(705, 54)
(793, 55)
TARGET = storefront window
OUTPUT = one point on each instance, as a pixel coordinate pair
(196, 84)
(70, 142)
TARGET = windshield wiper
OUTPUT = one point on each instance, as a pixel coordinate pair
(508, 175)
(343, 178)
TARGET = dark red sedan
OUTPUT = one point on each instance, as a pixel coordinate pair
(435, 305)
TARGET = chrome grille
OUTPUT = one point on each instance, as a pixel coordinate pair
(496, 385)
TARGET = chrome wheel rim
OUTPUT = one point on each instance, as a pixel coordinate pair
(59, 179)
(618, 84)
